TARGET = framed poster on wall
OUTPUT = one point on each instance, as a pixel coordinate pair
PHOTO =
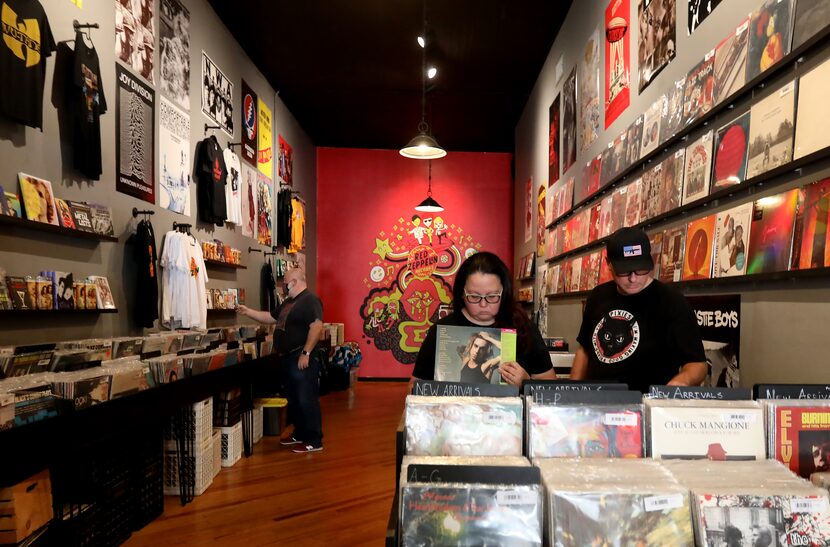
(135, 138)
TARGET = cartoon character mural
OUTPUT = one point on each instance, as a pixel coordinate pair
(410, 282)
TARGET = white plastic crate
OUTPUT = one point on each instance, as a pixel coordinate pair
(259, 413)
(199, 470)
(231, 444)
(202, 429)
(216, 443)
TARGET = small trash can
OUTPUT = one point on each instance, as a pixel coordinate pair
(273, 415)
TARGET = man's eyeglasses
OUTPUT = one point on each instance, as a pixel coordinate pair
(638, 273)
(492, 298)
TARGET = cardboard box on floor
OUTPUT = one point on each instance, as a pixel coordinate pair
(25, 507)
(336, 333)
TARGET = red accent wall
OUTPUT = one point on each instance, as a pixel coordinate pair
(369, 195)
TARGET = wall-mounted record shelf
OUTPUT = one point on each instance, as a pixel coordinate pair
(789, 62)
(16, 222)
(18, 313)
(789, 276)
(220, 264)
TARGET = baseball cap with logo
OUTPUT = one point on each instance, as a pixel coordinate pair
(628, 250)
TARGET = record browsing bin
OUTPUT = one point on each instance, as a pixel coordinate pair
(195, 471)
(231, 439)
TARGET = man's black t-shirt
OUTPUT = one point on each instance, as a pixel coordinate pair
(27, 41)
(87, 103)
(146, 290)
(534, 358)
(211, 170)
(639, 339)
(294, 316)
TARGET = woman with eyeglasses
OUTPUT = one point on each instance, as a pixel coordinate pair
(483, 297)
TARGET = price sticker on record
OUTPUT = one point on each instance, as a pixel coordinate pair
(627, 419)
(662, 503)
(808, 505)
(515, 497)
(739, 417)
(496, 417)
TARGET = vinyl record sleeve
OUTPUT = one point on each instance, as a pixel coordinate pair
(730, 153)
(671, 186)
(698, 95)
(650, 192)
(576, 274)
(671, 258)
(463, 426)
(601, 431)
(651, 127)
(811, 132)
(633, 140)
(697, 169)
(590, 272)
(38, 199)
(769, 36)
(606, 221)
(656, 241)
(632, 202)
(811, 17)
(732, 231)
(672, 119)
(730, 62)
(697, 262)
(811, 240)
(680, 430)
(800, 437)
(771, 129)
(661, 516)
(771, 234)
(470, 515)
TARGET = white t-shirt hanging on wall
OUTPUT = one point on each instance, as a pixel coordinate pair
(184, 282)
(233, 188)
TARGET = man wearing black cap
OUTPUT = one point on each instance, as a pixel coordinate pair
(636, 329)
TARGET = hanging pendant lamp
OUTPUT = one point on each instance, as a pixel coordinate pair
(429, 205)
(423, 146)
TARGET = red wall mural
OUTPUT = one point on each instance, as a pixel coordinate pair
(386, 270)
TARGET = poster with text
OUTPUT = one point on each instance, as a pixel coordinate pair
(174, 158)
(250, 124)
(285, 164)
(569, 121)
(135, 36)
(617, 60)
(217, 95)
(250, 196)
(134, 158)
(699, 10)
(658, 37)
(719, 320)
(589, 105)
(553, 142)
(174, 52)
(264, 207)
(265, 151)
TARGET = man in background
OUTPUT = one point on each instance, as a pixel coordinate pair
(299, 324)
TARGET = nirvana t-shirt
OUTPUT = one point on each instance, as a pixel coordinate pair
(294, 316)
(87, 103)
(531, 352)
(27, 41)
(211, 171)
(639, 339)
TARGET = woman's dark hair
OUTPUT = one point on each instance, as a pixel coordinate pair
(508, 316)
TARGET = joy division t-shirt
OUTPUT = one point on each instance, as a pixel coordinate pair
(639, 339)
(27, 41)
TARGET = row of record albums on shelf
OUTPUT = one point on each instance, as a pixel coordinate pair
(577, 464)
(44, 380)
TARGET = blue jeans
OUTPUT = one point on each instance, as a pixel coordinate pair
(302, 392)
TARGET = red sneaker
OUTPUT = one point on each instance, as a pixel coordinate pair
(290, 441)
(306, 448)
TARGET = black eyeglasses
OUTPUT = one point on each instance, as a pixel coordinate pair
(492, 298)
(639, 273)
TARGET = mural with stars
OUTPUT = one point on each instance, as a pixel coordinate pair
(409, 280)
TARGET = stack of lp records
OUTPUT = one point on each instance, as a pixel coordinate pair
(753, 503)
(798, 433)
(463, 426)
(614, 502)
(585, 424)
(470, 502)
(705, 429)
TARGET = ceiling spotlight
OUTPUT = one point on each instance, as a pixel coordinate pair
(432, 72)
(421, 41)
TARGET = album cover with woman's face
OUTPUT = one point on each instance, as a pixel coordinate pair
(472, 354)
(38, 199)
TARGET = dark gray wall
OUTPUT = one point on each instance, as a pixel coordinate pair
(783, 323)
(44, 154)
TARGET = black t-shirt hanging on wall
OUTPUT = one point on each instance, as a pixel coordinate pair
(27, 41)
(211, 172)
(146, 290)
(87, 103)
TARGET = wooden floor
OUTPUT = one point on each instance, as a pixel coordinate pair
(340, 496)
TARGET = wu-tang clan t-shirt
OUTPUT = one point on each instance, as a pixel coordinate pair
(27, 41)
